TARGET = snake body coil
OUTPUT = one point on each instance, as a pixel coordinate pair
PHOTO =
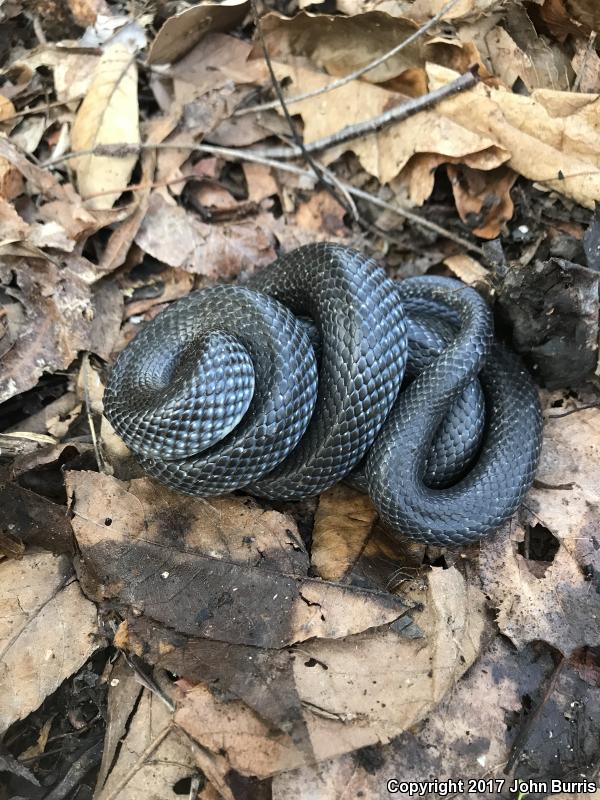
(225, 390)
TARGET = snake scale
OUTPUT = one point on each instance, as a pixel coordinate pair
(321, 368)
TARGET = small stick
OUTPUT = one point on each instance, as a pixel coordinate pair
(256, 158)
(357, 73)
(325, 177)
(396, 114)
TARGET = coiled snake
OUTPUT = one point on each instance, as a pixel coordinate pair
(321, 366)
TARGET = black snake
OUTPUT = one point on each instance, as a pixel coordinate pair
(322, 368)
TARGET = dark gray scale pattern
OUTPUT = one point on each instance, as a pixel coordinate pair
(148, 375)
(357, 312)
(220, 391)
(495, 486)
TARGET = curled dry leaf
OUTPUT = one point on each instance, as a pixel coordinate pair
(483, 198)
(56, 324)
(550, 137)
(108, 115)
(47, 629)
(553, 600)
(341, 45)
(231, 572)
(183, 31)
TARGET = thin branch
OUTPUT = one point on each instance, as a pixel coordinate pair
(396, 114)
(256, 158)
(43, 109)
(88, 411)
(324, 176)
(357, 73)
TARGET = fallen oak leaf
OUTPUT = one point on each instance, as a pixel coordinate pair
(550, 137)
(108, 115)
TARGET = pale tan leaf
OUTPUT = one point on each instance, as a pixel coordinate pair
(551, 137)
(343, 522)
(108, 115)
(47, 629)
(183, 31)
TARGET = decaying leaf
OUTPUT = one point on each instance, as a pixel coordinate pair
(138, 721)
(553, 600)
(181, 240)
(215, 580)
(47, 628)
(354, 691)
(108, 115)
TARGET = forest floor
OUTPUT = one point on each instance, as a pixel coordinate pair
(158, 646)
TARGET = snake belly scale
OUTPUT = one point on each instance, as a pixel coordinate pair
(321, 368)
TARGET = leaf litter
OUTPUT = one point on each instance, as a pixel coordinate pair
(239, 649)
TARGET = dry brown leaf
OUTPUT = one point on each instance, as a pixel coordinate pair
(47, 629)
(85, 12)
(467, 269)
(322, 214)
(34, 520)
(430, 135)
(55, 326)
(260, 181)
(343, 44)
(232, 572)
(356, 691)
(13, 228)
(553, 601)
(180, 239)
(516, 50)
(137, 719)
(183, 31)
(586, 64)
(422, 10)
(469, 735)
(343, 523)
(7, 109)
(551, 137)
(483, 198)
(41, 180)
(11, 180)
(108, 115)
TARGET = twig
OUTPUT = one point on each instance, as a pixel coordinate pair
(43, 109)
(574, 411)
(324, 176)
(357, 73)
(396, 114)
(152, 747)
(88, 412)
(257, 158)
